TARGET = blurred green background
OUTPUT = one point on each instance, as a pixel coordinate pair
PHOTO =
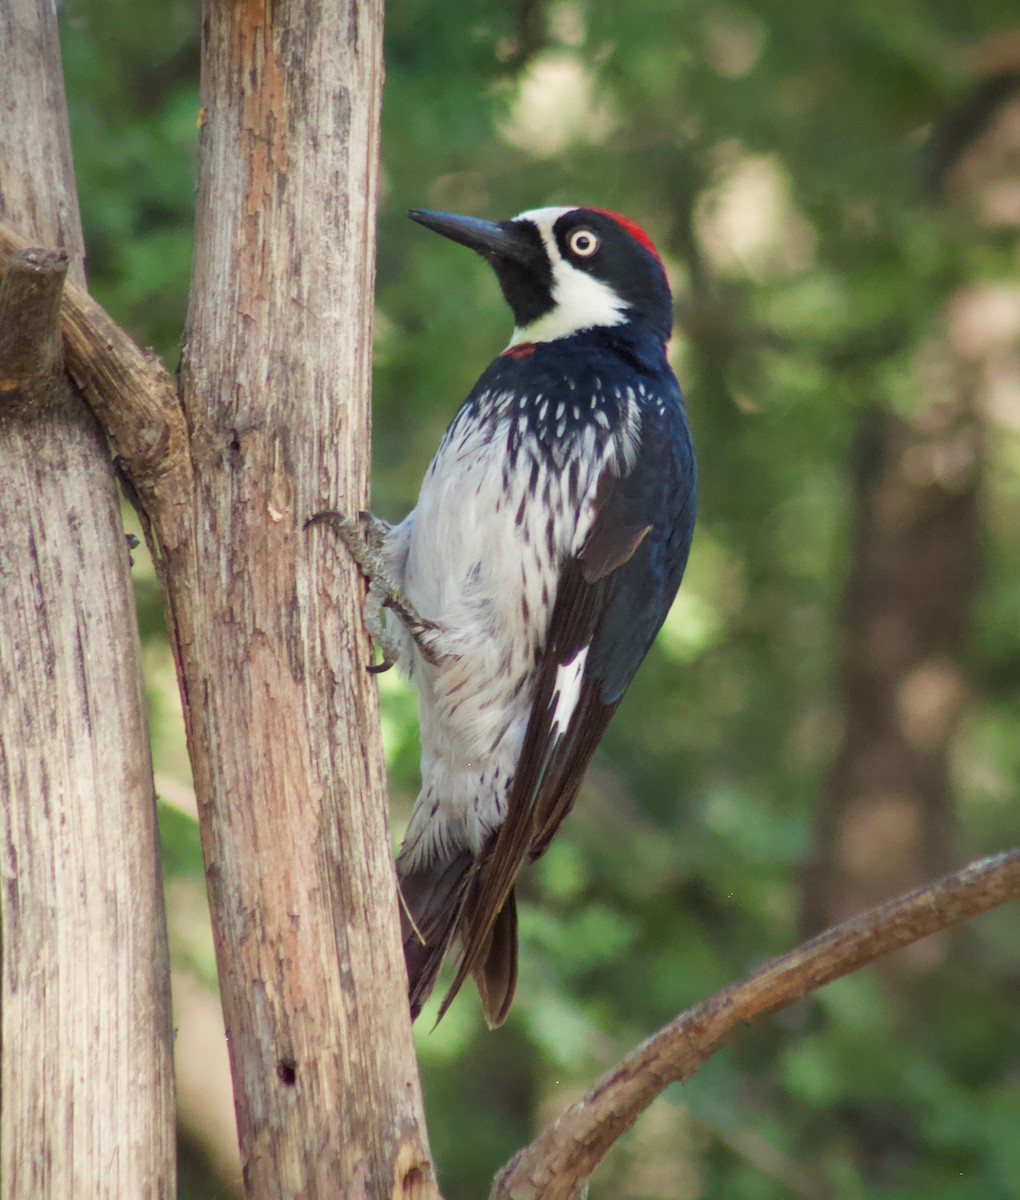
(830, 714)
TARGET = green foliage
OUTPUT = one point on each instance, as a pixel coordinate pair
(781, 155)
(132, 83)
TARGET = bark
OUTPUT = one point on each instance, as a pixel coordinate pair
(135, 399)
(280, 712)
(86, 1070)
(37, 187)
(265, 619)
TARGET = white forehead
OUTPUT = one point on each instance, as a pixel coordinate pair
(545, 216)
(545, 219)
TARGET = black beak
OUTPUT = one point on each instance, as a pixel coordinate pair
(507, 241)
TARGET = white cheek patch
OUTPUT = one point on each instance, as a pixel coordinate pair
(567, 692)
(580, 300)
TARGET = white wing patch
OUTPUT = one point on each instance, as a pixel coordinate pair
(567, 692)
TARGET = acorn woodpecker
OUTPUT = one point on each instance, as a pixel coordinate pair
(547, 545)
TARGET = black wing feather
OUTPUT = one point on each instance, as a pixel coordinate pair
(549, 772)
(612, 597)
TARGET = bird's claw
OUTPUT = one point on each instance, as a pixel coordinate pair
(364, 538)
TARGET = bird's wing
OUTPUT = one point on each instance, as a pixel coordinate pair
(610, 601)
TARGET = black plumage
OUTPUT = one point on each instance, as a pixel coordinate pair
(549, 540)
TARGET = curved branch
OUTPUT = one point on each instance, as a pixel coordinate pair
(132, 394)
(557, 1162)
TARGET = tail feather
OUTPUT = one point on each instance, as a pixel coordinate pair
(436, 907)
(433, 903)
(496, 978)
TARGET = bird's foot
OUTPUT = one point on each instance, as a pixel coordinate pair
(364, 538)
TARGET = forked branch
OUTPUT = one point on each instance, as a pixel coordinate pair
(556, 1164)
(131, 393)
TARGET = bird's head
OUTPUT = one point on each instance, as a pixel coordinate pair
(563, 270)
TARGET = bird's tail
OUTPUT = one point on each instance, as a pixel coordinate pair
(436, 905)
(496, 978)
(433, 899)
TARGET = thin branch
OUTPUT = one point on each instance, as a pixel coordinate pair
(560, 1159)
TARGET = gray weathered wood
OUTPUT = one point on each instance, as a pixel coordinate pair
(265, 618)
(86, 1069)
(37, 187)
(86, 1053)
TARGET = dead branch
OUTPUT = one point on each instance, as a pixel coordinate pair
(556, 1164)
(132, 395)
(281, 715)
(265, 625)
(30, 354)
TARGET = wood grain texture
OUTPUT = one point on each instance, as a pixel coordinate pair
(135, 399)
(37, 188)
(86, 1037)
(280, 712)
(86, 1070)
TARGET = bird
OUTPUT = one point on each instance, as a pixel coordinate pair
(549, 539)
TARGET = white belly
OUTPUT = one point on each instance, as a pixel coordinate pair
(484, 552)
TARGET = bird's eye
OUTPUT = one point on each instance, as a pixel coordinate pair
(583, 243)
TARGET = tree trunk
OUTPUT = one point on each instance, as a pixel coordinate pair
(886, 819)
(87, 1085)
(887, 815)
(281, 715)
